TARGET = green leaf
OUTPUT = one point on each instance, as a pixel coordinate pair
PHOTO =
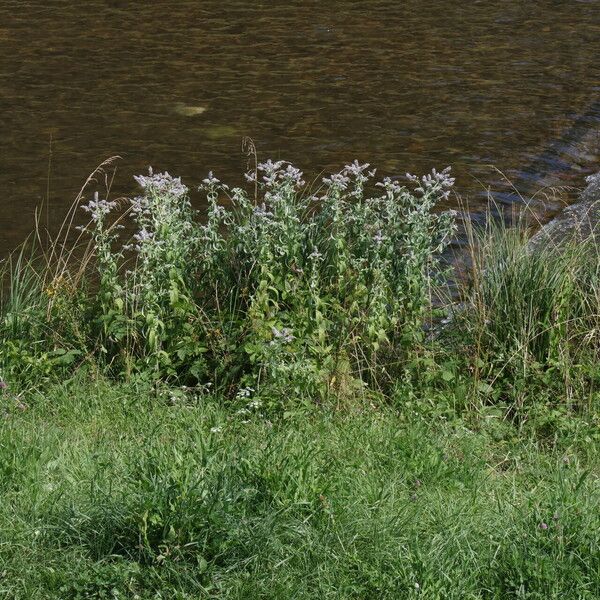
(484, 388)
(447, 375)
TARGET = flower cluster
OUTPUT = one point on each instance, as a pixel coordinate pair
(337, 181)
(161, 184)
(278, 172)
(98, 209)
(283, 336)
(436, 182)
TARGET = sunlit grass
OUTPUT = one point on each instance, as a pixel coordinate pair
(114, 492)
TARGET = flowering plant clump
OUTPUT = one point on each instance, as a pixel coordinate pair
(329, 290)
(288, 294)
(160, 289)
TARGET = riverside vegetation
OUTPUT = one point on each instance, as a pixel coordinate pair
(272, 401)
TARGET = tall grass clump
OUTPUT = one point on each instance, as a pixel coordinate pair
(42, 320)
(278, 293)
(531, 315)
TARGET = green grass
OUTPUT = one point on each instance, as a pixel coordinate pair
(115, 491)
(530, 308)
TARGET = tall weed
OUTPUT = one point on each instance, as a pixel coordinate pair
(279, 294)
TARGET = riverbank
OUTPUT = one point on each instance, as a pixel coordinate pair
(252, 408)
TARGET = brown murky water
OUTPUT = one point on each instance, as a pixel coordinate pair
(403, 84)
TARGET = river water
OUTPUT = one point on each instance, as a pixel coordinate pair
(403, 84)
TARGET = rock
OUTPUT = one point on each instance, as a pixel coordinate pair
(577, 222)
(218, 132)
(188, 111)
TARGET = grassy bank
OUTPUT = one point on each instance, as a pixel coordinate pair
(273, 402)
(109, 491)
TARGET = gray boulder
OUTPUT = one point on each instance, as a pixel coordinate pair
(577, 222)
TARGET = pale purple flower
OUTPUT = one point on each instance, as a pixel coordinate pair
(161, 184)
(139, 205)
(269, 166)
(97, 208)
(210, 179)
(293, 175)
(390, 186)
(262, 212)
(270, 178)
(355, 168)
(436, 181)
(337, 180)
(143, 235)
(283, 335)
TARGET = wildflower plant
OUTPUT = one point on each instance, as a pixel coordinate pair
(164, 240)
(159, 289)
(294, 295)
(329, 290)
(104, 236)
